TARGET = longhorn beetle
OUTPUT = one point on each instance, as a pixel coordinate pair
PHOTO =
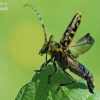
(65, 53)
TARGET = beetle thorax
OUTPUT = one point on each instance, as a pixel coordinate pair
(55, 47)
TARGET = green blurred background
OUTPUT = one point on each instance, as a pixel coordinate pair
(21, 37)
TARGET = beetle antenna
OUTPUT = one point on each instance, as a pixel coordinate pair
(40, 18)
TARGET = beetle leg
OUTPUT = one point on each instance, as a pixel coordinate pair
(55, 69)
(44, 65)
(70, 77)
(90, 85)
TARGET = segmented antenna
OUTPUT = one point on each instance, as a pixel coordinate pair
(40, 17)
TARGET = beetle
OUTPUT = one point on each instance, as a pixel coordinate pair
(66, 53)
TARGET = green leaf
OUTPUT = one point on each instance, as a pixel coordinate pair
(39, 89)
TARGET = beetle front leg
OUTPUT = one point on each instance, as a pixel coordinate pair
(44, 65)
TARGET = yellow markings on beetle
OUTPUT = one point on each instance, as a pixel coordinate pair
(72, 32)
(77, 24)
(68, 28)
(54, 48)
(79, 18)
(66, 43)
(67, 33)
(70, 38)
(73, 26)
(92, 79)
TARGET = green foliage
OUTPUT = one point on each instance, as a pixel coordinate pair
(39, 89)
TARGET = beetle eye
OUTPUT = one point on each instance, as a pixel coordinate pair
(57, 45)
(47, 47)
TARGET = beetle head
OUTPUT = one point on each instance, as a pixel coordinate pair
(46, 46)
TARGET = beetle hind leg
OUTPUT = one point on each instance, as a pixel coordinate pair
(68, 83)
(90, 85)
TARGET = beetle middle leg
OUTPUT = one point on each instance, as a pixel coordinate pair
(70, 77)
(55, 69)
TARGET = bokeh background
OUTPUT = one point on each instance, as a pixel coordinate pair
(21, 37)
